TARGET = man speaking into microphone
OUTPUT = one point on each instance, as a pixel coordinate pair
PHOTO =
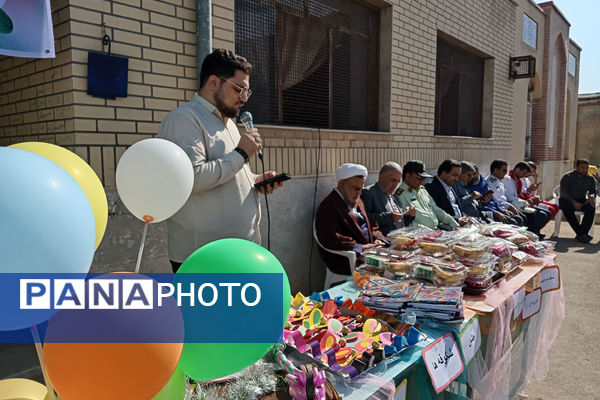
(224, 202)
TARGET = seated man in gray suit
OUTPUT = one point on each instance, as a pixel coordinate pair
(381, 202)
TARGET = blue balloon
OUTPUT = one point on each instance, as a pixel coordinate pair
(46, 225)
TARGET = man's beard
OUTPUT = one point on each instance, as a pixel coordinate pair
(351, 203)
(229, 112)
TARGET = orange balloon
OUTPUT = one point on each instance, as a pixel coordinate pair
(100, 371)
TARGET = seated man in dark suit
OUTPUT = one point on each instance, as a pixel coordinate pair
(441, 191)
(381, 202)
(342, 222)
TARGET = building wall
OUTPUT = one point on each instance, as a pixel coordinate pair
(47, 100)
(36, 98)
(549, 124)
(572, 104)
(588, 135)
(521, 86)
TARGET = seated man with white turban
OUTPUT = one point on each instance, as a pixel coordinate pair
(342, 222)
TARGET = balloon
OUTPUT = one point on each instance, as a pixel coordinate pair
(154, 178)
(174, 389)
(46, 226)
(19, 388)
(82, 173)
(119, 370)
(100, 371)
(204, 361)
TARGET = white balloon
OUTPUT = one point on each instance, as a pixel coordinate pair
(154, 178)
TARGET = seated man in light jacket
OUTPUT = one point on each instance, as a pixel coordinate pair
(413, 193)
(381, 202)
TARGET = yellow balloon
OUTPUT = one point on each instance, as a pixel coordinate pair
(22, 389)
(82, 173)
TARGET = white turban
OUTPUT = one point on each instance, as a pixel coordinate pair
(349, 170)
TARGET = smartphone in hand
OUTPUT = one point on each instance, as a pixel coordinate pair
(272, 181)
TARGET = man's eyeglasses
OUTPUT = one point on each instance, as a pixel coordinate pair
(241, 90)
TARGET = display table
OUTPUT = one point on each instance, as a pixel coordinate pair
(513, 349)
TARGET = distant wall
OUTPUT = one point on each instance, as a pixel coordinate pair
(588, 128)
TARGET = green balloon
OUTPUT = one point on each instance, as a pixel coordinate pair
(174, 389)
(205, 361)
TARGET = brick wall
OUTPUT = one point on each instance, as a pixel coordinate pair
(488, 26)
(47, 100)
(556, 34)
(572, 104)
(36, 98)
(522, 86)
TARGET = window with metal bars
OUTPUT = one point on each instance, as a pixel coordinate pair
(458, 91)
(315, 62)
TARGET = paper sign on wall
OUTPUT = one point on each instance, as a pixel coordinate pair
(550, 279)
(470, 339)
(401, 391)
(443, 361)
(519, 298)
(533, 303)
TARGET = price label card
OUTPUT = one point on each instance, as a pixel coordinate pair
(550, 279)
(443, 361)
(470, 339)
(519, 299)
(533, 303)
(401, 391)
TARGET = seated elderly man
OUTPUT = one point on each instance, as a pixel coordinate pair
(470, 200)
(441, 190)
(412, 193)
(382, 204)
(342, 222)
(578, 193)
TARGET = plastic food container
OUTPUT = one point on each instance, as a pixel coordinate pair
(479, 266)
(469, 249)
(447, 274)
(482, 282)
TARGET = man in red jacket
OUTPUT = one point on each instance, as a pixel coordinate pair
(342, 222)
(528, 190)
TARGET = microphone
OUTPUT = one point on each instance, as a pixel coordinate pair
(246, 120)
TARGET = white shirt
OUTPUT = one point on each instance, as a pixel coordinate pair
(223, 202)
(510, 187)
(497, 185)
(451, 198)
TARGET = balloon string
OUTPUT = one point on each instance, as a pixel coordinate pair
(147, 220)
(40, 354)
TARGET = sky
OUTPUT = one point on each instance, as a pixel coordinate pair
(583, 17)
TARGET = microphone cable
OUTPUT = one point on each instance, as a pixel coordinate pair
(260, 157)
(318, 162)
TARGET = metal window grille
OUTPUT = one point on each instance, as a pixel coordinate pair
(315, 62)
(458, 91)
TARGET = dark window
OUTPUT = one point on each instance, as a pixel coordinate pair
(458, 91)
(316, 62)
